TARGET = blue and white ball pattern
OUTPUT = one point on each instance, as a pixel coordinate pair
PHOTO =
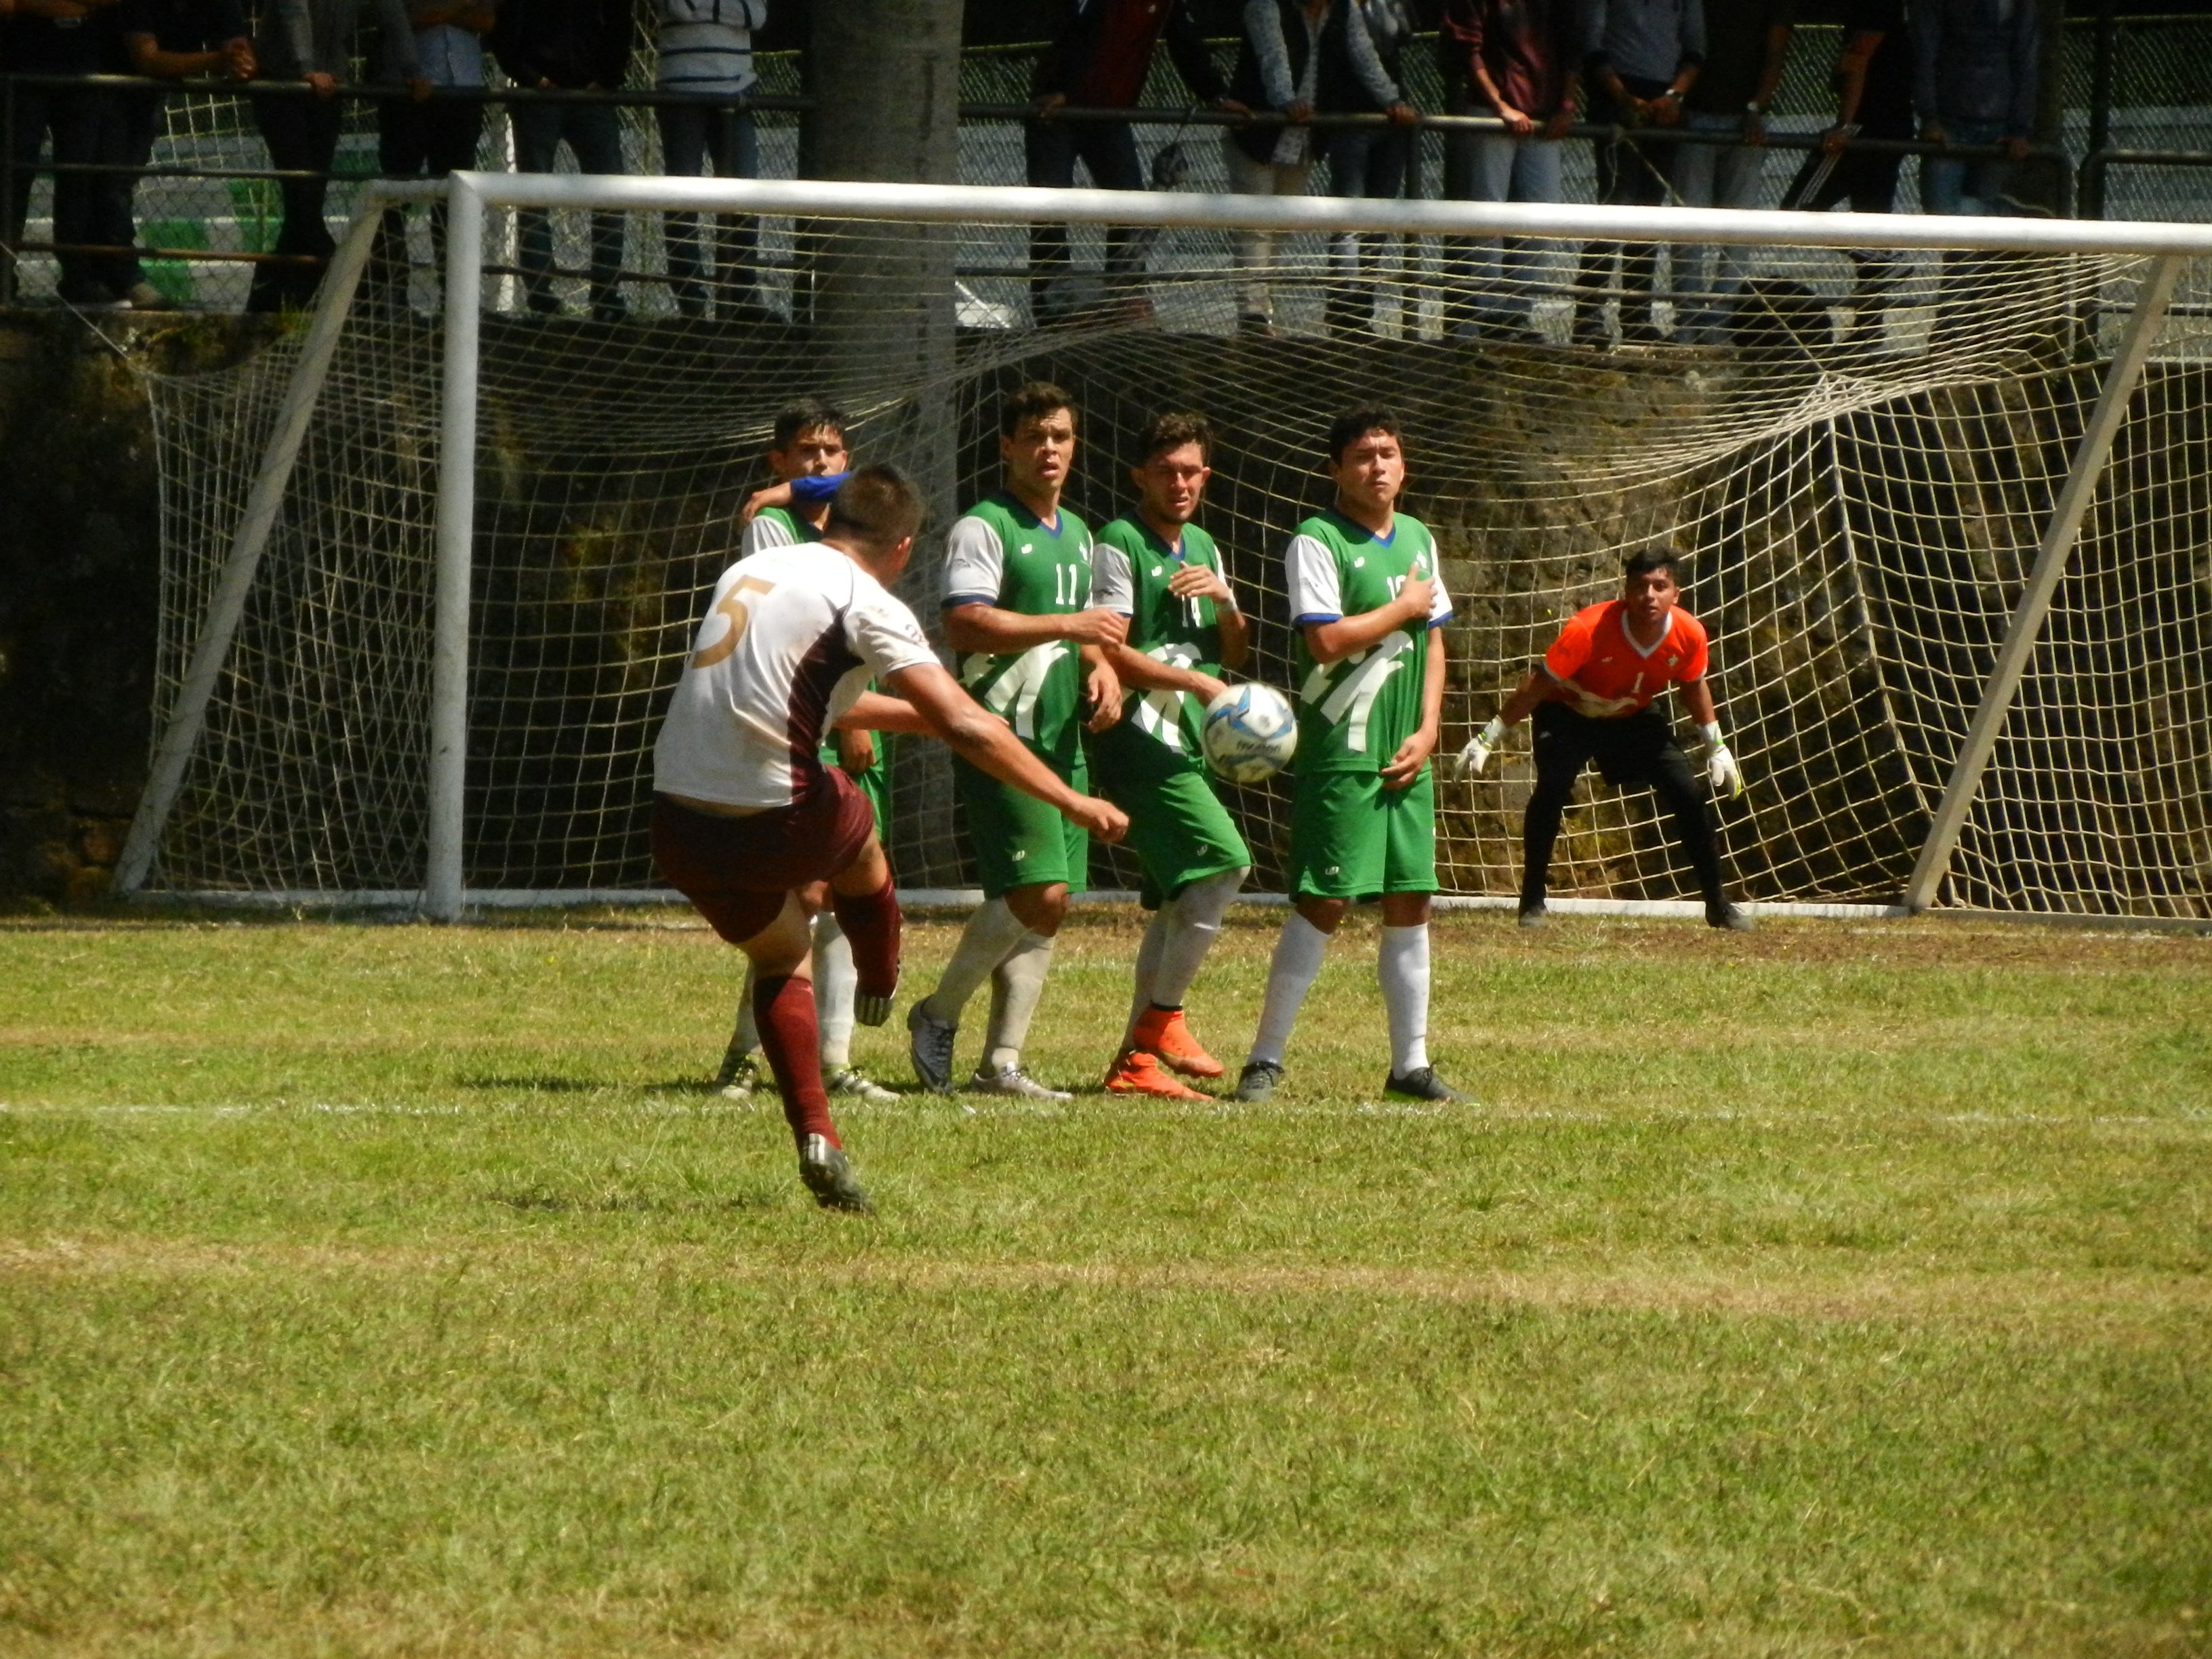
(1249, 733)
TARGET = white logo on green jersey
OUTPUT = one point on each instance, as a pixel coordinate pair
(1357, 691)
(1160, 714)
(1014, 693)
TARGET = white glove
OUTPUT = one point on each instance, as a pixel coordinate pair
(1721, 769)
(1479, 748)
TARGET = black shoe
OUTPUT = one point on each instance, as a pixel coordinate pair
(829, 1177)
(610, 311)
(544, 302)
(1533, 912)
(1721, 914)
(1421, 1083)
(1256, 324)
(1642, 332)
(1589, 334)
(1258, 1080)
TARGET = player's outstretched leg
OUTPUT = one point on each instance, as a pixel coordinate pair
(1174, 949)
(934, 1022)
(1402, 965)
(1300, 949)
(1016, 984)
(739, 1074)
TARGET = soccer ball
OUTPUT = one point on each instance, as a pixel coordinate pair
(1249, 733)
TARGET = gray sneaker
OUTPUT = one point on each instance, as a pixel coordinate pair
(929, 1041)
(829, 1176)
(1258, 1080)
(739, 1076)
(1013, 1080)
(853, 1083)
(1422, 1083)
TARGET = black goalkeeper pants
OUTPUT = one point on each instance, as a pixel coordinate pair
(1639, 748)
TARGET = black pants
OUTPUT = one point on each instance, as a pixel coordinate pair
(427, 140)
(302, 136)
(1868, 182)
(696, 139)
(84, 126)
(1638, 747)
(1051, 150)
(1629, 175)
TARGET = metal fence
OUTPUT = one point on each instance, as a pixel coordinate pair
(2137, 114)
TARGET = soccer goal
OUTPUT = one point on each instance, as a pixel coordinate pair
(431, 563)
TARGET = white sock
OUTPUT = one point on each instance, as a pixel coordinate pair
(1148, 968)
(992, 932)
(1016, 985)
(837, 981)
(746, 1038)
(1402, 965)
(1298, 951)
(1193, 920)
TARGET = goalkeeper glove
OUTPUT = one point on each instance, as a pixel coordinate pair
(1721, 769)
(1479, 748)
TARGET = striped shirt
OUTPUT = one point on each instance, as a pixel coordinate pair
(707, 46)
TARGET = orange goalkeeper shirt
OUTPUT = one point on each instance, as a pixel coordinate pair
(1616, 676)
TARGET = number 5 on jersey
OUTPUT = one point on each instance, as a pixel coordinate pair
(740, 614)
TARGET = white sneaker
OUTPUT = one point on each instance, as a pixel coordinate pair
(855, 1084)
(739, 1076)
(1013, 1080)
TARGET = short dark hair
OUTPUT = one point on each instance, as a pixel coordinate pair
(1032, 402)
(878, 506)
(1349, 427)
(1647, 560)
(804, 415)
(1173, 431)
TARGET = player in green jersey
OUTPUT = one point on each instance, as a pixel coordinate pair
(808, 442)
(1018, 614)
(1368, 606)
(1163, 573)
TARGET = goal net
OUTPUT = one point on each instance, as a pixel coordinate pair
(431, 566)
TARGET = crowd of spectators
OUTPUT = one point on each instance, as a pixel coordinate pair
(1680, 91)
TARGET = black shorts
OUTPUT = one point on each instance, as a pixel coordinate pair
(1630, 749)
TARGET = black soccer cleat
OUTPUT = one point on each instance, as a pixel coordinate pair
(1534, 914)
(1422, 1083)
(829, 1176)
(1259, 1079)
(1721, 914)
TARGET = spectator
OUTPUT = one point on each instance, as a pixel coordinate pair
(568, 45)
(312, 40)
(1976, 84)
(65, 37)
(706, 49)
(1874, 99)
(168, 40)
(428, 136)
(1363, 160)
(1520, 61)
(1746, 44)
(1099, 60)
(1278, 68)
(1642, 58)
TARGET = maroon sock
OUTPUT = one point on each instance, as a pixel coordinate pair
(871, 922)
(784, 1010)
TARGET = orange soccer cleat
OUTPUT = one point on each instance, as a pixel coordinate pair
(1163, 1032)
(1137, 1073)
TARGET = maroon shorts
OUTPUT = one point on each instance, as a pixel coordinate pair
(737, 871)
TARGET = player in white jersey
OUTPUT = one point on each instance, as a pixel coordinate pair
(808, 442)
(749, 825)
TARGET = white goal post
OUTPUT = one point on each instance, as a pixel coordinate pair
(1797, 450)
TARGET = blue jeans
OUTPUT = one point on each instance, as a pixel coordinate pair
(696, 139)
(1491, 289)
(1949, 184)
(1371, 161)
(593, 135)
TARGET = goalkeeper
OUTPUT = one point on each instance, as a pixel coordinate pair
(1592, 698)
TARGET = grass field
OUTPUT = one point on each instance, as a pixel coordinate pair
(388, 1289)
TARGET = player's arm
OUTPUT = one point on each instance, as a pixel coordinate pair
(989, 744)
(975, 626)
(1332, 641)
(1150, 674)
(1401, 770)
(1199, 581)
(1102, 688)
(871, 711)
(1721, 769)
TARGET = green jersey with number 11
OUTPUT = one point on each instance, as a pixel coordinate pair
(1001, 554)
(1353, 714)
(1180, 632)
